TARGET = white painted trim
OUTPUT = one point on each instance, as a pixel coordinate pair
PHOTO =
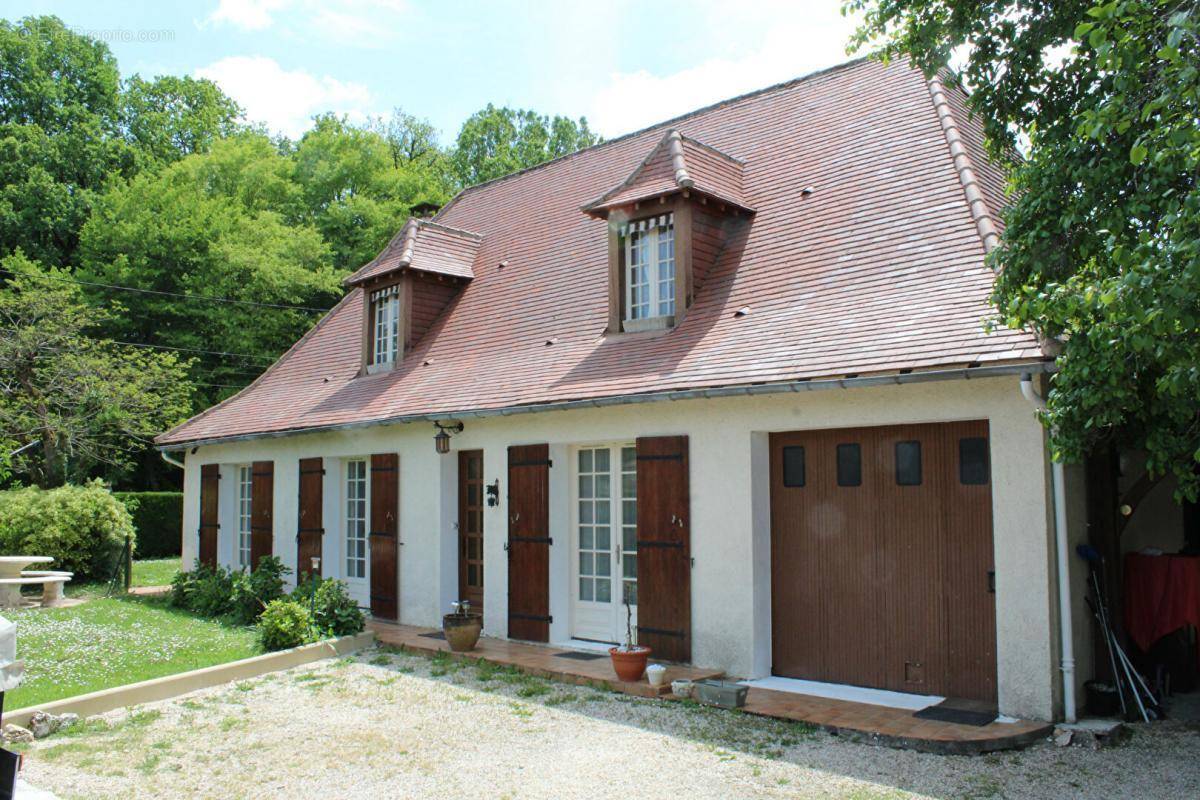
(841, 691)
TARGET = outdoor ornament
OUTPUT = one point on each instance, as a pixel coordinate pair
(12, 672)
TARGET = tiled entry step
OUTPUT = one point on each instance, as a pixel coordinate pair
(895, 727)
(541, 660)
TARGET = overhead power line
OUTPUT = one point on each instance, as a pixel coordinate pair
(181, 295)
(197, 350)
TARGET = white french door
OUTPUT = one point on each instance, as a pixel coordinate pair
(356, 520)
(604, 542)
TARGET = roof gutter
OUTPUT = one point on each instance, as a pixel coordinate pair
(965, 373)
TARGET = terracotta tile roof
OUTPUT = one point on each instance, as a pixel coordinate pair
(424, 246)
(678, 163)
(879, 269)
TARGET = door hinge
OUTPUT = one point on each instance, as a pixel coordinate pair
(991, 578)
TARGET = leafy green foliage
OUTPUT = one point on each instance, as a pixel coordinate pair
(252, 591)
(284, 623)
(83, 401)
(334, 612)
(59, 135)
(1102, 242)
(171, 116)
(356, 186)
(158, 520)
(83, 528)
(498, 141)
(206, 591)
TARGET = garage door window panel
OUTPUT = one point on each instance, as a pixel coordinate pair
(908, 463)
(849, 465)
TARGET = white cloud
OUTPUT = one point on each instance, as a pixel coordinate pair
(285, 100)
(793, 39)
(367, 23)
(249, 15)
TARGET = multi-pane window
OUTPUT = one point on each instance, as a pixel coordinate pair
(595, 525)
(245, 507)
(385, 328)
(356, 519)
(650, 268)
(607, 521)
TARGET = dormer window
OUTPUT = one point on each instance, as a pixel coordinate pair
(408, 286)
(669, 223)
(385, 328)
(649, 273)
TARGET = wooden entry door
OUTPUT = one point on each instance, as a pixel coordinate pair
(881, 558)
(529, 542)
(385, 534)
(310, 528)
(470, 527)
(210, 485)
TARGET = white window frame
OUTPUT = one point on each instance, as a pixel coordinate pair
(385, 328)
(655, 309)
(603, 620)
(245, 515)
(355, 527)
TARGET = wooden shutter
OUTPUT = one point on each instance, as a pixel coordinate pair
(210, 482)
(385, 531)
(310, 525)
(470, 527)
(664, 547)
(529, 542)
(262, 510)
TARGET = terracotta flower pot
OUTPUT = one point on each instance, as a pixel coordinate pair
(462, 631)
(629, 665)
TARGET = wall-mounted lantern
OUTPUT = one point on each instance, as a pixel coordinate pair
(493, 493)
(441, 441)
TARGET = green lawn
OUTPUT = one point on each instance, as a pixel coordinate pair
(155, 571)
(113, 641)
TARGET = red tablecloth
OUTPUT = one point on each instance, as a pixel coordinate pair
(1162, 594)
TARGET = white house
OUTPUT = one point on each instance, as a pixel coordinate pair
(734, 368)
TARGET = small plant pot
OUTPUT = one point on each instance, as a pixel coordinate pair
(629, 665)
(657, 675)
(462, 631)
(682, 688)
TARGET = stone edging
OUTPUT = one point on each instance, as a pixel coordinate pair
(169, 686)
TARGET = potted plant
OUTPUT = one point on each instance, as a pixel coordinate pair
(462, 628)
(629, 660)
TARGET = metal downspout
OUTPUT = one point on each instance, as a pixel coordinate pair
(1065, 626)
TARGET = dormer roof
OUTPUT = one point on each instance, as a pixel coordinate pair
(677, 164)
(424, 246)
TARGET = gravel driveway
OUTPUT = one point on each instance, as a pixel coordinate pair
(387, 725)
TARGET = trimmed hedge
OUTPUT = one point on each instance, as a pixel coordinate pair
(158, 518)
(83, 528)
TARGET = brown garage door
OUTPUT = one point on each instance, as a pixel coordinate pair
(881, 554)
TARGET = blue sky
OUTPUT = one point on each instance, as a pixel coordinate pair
(621, 64)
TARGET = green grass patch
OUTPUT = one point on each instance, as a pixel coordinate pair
(115, 641)
(155, 571)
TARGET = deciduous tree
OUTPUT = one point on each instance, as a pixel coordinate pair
(1101, 248)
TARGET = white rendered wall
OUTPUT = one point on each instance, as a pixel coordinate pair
(730, 510)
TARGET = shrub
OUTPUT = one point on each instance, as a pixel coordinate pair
(207, 591)
(334, 612)
(284, 623)
(83, 528)
(253, 591)
(158, 520)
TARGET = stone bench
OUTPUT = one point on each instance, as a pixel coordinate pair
(52, 585)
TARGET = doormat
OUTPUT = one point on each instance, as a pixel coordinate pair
(959, 712)
(575, 655)
(434, 635)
